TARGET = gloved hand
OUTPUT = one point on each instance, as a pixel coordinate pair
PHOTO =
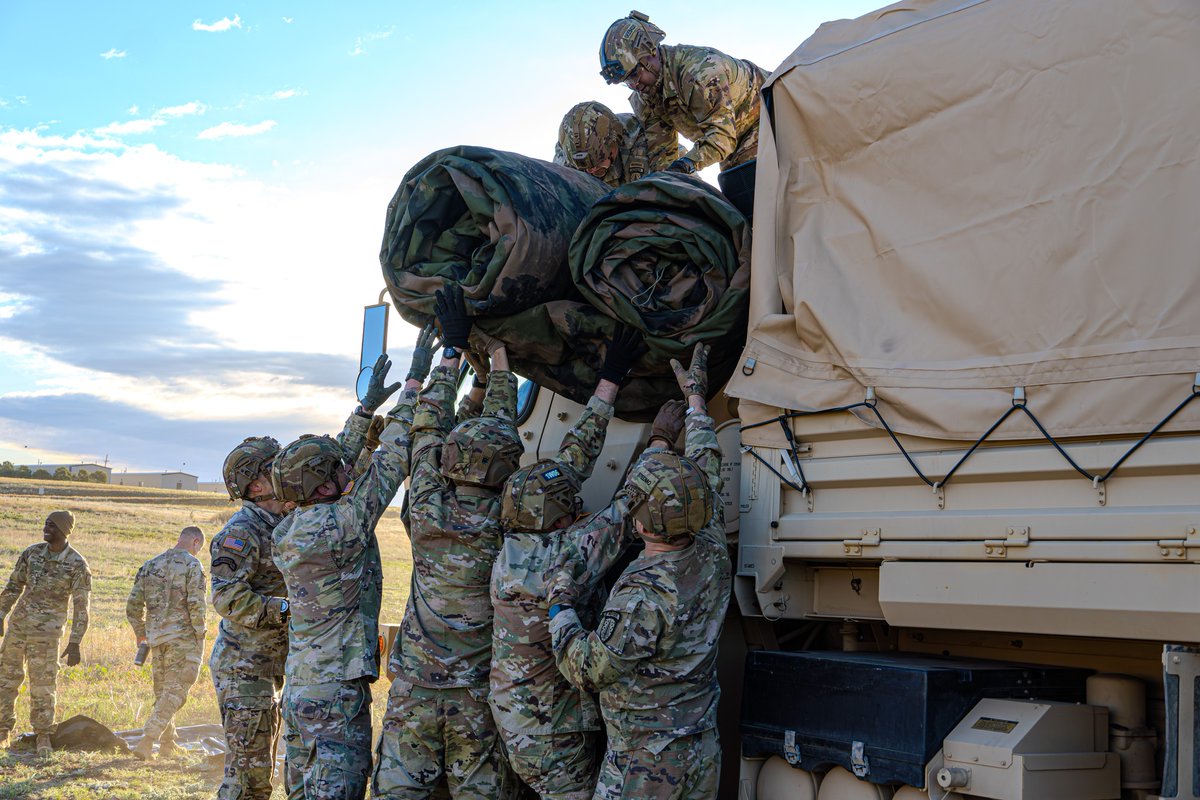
(451, 310)
(624, 349)
(481, 368)
(422, 359)
(377, 389)
(693, 380)
(71, 654)
(669, 421)
(683, 165)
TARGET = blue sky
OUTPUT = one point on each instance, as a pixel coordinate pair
(192, 194)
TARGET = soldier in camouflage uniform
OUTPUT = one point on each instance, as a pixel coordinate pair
(549, 727)
(652, 656)
(437, 721)
(46, 576)
(608, 146)
(328, 555)
(166, 610)
(709, 97)
(249, 593)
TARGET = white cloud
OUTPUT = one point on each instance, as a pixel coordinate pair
(367, 38)
(228, 129)
(133, 126)
(284, 94)
(133, 110)
(113, 53)
(185, 110)
(220, 25)
(287, 20)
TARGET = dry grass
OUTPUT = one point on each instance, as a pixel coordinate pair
(116, 529)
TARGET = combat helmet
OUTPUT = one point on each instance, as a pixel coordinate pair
(626, 42)
(588, 134)
(481, 452)
(537, 496)
(304, 465)
(670, 495)
(246, 462)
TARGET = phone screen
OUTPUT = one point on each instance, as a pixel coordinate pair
(374, 344)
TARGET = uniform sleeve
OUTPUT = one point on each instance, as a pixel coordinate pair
(15, 585)
(662, 140)
(353, 436)
(81, 589)
(135, 606)
(592, 547)
(468, 408)
(583, 443)
(701, 446)
(431, 423)
(500, 400)
(234, 554)
(197, 608)
(709, 102)
(628, 634)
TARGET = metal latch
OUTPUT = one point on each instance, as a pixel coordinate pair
(858, 760)
(748, 367)
(1177, 549)
(854, 547)
(998, 548)
(791, 751)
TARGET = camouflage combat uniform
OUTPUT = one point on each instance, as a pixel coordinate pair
(437, 720)
(43, 581)
(329, 558)
(166, 607)
(580, 143)
(247, 660)
(653, 655)
(710, 98)
(550, 728)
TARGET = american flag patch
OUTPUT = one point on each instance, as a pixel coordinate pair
(233, 543)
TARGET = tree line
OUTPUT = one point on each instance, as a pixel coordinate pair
(8, 470)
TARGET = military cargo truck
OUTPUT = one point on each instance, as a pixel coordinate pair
(963, 457)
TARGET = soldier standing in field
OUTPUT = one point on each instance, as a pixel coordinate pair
(608, 146)
(437, 720)
(328, 554)
(46, 576)
(249, 593)
(709, 97)
(652, 656)
(549, 727)
(166, 610)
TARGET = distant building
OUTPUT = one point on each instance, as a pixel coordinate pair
(74, 469)
(212, 486)
(156, 480)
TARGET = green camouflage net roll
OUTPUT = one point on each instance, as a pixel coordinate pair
(666, 254)
(497, 223)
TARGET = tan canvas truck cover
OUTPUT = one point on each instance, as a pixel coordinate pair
(955, 199)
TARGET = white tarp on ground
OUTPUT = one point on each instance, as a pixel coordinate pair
(973, 196)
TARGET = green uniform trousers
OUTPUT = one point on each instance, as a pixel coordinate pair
(327, 740)
(689, 768)
(40, 654)
(174, 667)
(251, 718)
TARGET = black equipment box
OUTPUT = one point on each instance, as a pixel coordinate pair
(882, 716)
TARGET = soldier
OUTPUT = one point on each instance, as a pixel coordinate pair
(249, 593)
(166, 610)
(652, 656)
(437, 720)
(329, 557)
(608, 146)
(46, 575)
(709, 97)
(549, 727)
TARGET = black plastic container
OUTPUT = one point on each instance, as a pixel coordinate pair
(881, 716)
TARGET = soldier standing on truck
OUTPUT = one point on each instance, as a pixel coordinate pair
(166, 610)
(328, 554)
(709, 97)
(549, 727)
(608, 146)
(652, 656)
(438, 721)
(249, 593)
(47, 574)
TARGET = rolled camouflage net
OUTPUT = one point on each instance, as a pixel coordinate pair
(497, 223)
(666, 254)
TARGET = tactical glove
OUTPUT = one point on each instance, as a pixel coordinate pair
(693, 380)
(451, 310)
(624, 349)
(481, 368)
(683, 165)
(71, 654)
(377, 388)
(422, 359)
(669, 421)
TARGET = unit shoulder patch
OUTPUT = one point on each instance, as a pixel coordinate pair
(608, 625)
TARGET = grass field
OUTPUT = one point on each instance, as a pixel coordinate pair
(116, 529)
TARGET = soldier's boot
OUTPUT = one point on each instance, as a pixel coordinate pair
(168, 749)
(4, 734)
(144, 749)
(43, 746)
